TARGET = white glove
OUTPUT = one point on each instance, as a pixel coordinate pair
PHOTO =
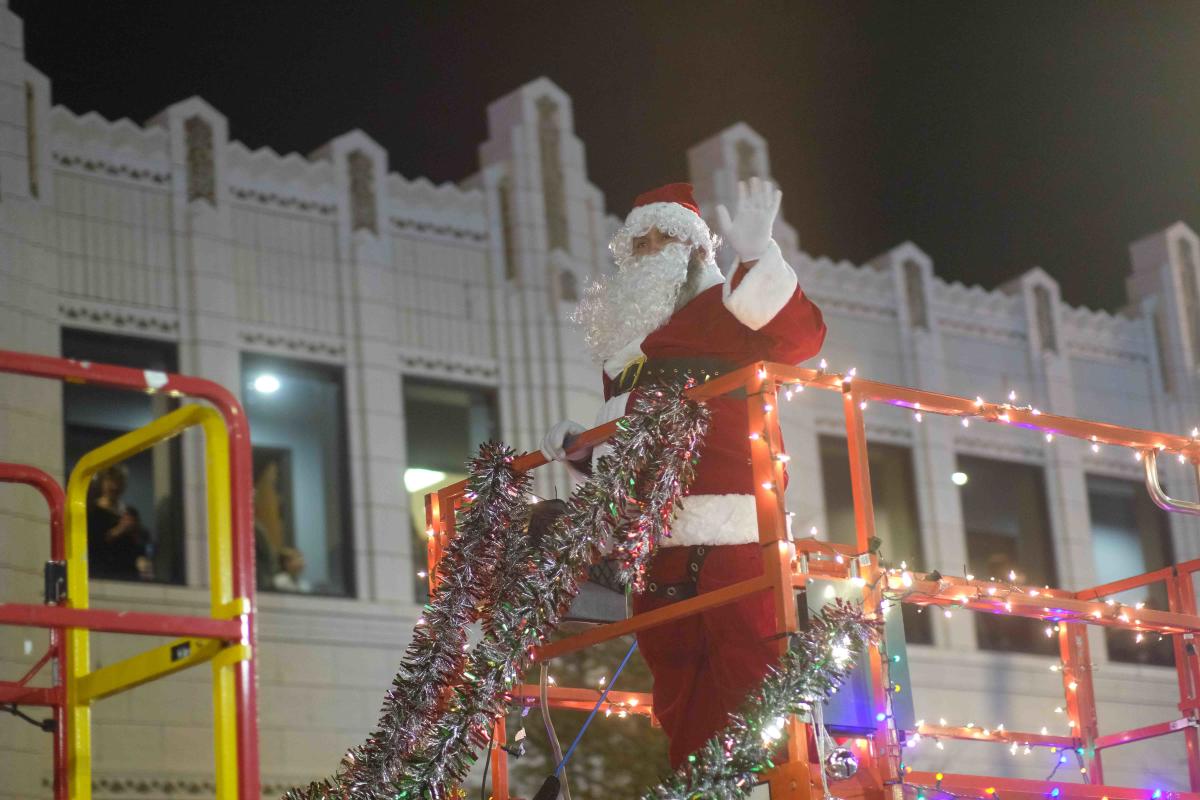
(554, 442)
(749, 232)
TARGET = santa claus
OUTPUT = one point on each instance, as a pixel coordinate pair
(667, 312)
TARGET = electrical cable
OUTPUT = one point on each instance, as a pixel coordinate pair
(555, 745)
(46, 725)
(550, 786)
(596, 707)
(486, 763)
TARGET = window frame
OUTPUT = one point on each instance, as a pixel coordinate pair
(345, 478)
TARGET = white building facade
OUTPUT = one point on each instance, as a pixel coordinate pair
(392, 295)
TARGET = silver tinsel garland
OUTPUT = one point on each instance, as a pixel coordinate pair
(443, 700)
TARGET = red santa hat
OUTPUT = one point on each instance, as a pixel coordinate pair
(673, 210)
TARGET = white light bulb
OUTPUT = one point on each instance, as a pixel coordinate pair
(266, 384)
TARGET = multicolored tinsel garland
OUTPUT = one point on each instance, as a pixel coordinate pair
(442, 701)
(817, 661)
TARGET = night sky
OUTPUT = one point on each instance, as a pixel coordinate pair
(996, 136)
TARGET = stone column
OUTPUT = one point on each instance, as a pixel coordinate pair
(200, 218)
(374, 399)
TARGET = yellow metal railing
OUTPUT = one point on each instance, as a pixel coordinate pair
(85, 686)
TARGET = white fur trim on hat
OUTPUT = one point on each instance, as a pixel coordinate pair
(712, 519)
(670, 218)
(763, 291)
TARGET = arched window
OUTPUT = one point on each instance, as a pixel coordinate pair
(914, 294)
(201, 167)
(553, 188)
(1191, 295)
(568, 286)
(1044, 307)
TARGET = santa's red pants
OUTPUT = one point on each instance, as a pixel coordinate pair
(705, 664)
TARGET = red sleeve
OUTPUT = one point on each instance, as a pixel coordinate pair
(794, 333)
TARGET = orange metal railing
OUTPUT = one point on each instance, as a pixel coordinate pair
(789, 565)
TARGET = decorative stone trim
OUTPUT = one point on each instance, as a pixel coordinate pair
(448, 365)
(294, 343)
(145, 788)
(981, 330)
(1090, 349)
(249, 195)
(829, 302)
(98, 166)
(997, 447)
(447, 231)
(95, 315)
(876, 432)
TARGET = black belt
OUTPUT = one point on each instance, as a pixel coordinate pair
(685, 588)
(658, 371)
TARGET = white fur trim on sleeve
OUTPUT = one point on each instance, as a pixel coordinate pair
(764, 290)
(712, 519)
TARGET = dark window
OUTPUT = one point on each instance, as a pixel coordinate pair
(1008, 532)
(1044, 305)
(135, 510)
(1130, 535)
(897, 522)
(568, 286)
(444, 425)
(914, 292)
(297, 415)
(1191, 296)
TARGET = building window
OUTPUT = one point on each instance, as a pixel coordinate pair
(1130, 535)
(1191, 295)
(507, 227)
(568, 286)
(362, 192)
(914, 293)
(1161, 345)
(1008, 538)
(297, 415)
(897, 521)
(201, 163)
(747, 160)
(135, 510)
(444, 425)
(553, 185)
(31, 138)
(1044, 305)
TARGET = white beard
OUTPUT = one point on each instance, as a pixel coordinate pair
(627, 306)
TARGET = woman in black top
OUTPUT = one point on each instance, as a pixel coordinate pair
(118, 543)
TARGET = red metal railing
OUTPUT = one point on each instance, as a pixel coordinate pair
(242, 629)
(19, 691)
(788, 566)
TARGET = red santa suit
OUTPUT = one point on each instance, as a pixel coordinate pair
(703, 665)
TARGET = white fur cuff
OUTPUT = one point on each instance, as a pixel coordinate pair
(712, 519)
(764, 290)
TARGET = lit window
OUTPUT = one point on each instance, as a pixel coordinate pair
(135, 511)
(301, 512)
(897, 523)
(444, 425)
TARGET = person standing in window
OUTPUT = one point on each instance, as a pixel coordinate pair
(118, 543)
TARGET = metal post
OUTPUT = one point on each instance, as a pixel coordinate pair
(766, 451)
(499, 761)
(1182, 598)
(1080, 694)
